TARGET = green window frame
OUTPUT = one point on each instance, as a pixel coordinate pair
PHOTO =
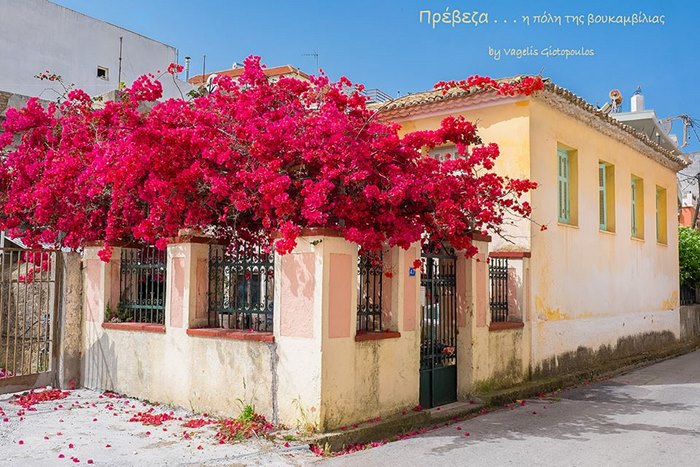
(602, 196)
(658, 225)
(661, 215)
(635, 228)
(564, 186)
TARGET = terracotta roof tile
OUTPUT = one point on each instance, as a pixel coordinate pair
(235, 72)
(435, 100)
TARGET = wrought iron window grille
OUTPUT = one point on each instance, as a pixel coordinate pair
(498, 283)
(241, 287)
(142, 280)
(370, 267)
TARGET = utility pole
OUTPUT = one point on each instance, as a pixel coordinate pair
(697, 203)
(119, 75)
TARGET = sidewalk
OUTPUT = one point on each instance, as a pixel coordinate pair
(96, 429)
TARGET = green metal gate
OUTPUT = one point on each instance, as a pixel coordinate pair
(438, 348)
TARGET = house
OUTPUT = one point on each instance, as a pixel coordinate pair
(601, 282)
(90, 54)
(321, 338)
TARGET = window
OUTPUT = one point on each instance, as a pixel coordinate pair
(369, 291)
(103, 73)
(567, 186)
(142, 280)
(442, 152)
(637, 211)
(241, 287)
(606, 196)
(661, 219)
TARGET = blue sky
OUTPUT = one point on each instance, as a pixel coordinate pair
(384, 45)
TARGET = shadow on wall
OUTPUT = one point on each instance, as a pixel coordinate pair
(515, 290)
(99, 363)
(587, 358)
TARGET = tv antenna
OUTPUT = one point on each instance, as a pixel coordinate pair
(314, 54)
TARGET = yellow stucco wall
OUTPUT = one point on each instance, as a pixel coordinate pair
(201, 374)
(215, 376)
(591, 287)
(373, 378)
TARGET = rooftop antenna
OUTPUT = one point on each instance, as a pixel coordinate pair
(204, 66)
(314, 54)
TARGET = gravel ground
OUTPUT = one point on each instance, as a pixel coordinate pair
(88, 427)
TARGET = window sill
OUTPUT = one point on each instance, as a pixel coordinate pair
(637, 239)
(143, 327)
(234, 334)
(373, 336)
(510, 254)
(570, 226)
(503, 325)
(606, 232)
(661, 243)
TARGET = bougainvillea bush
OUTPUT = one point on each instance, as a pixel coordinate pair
(251, 160)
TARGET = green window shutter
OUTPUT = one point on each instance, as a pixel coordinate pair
(564, 187)
(634, 208)
(657, 215)
(602, 197)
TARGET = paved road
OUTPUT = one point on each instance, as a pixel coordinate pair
(650, 417)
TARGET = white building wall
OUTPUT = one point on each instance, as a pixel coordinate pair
(37, 35)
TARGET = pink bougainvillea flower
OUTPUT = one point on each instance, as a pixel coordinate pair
(254, 160)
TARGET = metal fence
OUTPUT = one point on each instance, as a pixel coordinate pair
(498, 282)
(241, 287)
(28, 301)
(369, 291)
(142, 281)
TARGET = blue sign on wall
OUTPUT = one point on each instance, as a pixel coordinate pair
(411, 272)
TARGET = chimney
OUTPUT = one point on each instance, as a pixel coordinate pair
(637, 104)
(188, 59)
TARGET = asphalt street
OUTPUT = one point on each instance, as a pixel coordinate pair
(648, 417)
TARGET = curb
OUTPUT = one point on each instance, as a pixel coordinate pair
(396, 425)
